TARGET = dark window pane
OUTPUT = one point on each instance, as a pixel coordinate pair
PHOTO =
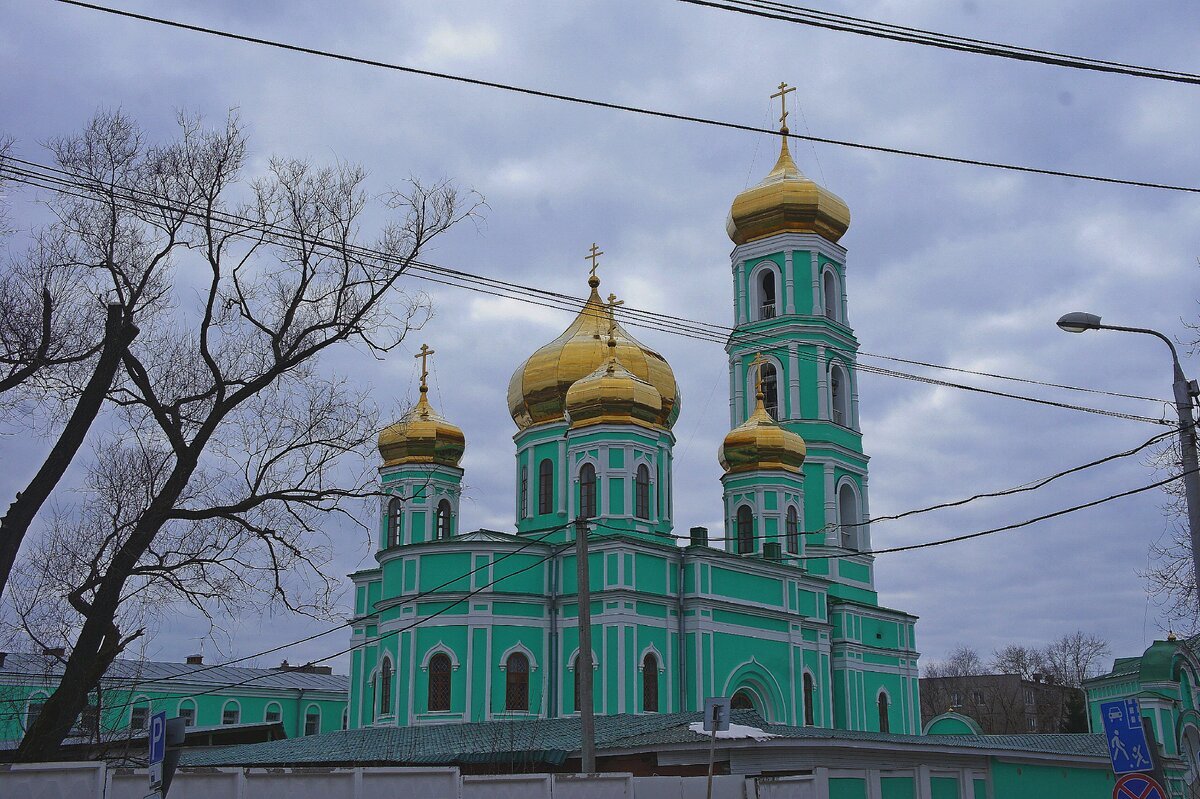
(745, 530)
(439, 682)
(650, 684)
(546, 487)
(516, 682)
(587, 491)
(642, 492)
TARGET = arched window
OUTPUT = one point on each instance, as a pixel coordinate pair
(848, 519)
(231, 713)
(546, 486)
(587, 491)
(884, 723)
(443, 519)
(650, 683)
(770, 389)
(741, 701)
(312, 720)
(792, 528)
(809, 698)
(766, 295)
(745, 530)
(516, 682)
(395, 515)
(439, 682)
(273, 713)
(641, 504)
(139, 714)
(385, 687)
(833, 297)
(523, 511)
(839, 391)
(187, 712)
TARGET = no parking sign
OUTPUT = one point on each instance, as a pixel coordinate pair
(1138, 786)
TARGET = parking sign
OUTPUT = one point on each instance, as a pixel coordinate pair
(158, 748)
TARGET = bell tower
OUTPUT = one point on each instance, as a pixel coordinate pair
(790, 313)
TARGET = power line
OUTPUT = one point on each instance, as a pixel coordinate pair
(701, 331)
(620, 106)
(787, 12)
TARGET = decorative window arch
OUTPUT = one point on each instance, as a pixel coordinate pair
(792, 530)
(439, 682)
(385, 686)
(883, 702)
(395, 521)
(312, 720)
(810, 698)
(440, 648)
(139, 712)
(641, 498)
(516, 682)
(33, 707)
(765, 281)
(444, 517)
(1189, 748)
(186, 710)
(231, 712)
(745, 530)
(831, 287)
(849, 514)
(649, 669)
(574, 667)
(523, 510)
(742, 700)
(770, 389)
(273, 712)
(839, 396)
(546, 486)
(587, 491)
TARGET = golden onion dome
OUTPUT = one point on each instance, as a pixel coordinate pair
(613, 394)
(422, 436)
(760, 443)
(786, 202)
(538, 389)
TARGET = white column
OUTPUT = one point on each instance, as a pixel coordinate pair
(864, 539)
(789, 303)
(732, 393)
(822, 385)
(795, 412)
(845, 304)
(831, 533)
(816, 284)
(739, 292)
(853, 378)
(739, 405)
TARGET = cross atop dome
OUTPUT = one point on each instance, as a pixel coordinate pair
(594, 257)
(782, 94)
(424, 356)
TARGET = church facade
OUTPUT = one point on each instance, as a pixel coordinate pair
(779, 610)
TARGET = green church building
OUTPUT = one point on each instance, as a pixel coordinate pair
(779, 611)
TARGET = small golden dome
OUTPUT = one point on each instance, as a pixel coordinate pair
(537, 392)
(613, 394)
(422, 436)
(786, 202)
(760, 443)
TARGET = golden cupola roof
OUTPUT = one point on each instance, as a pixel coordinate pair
(537, 392)
(786, 202)
(613, 394)
(761, 443)
(422, 435)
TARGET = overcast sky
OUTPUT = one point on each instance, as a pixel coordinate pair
(950, 264)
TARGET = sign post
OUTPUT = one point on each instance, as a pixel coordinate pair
(158, 749)
(716, 719)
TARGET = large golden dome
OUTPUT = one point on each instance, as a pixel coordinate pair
(786, 202)
(537, 392)
(613, 394)
(760, 443)
(422, 436)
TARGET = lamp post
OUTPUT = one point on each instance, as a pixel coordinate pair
(1078, 322)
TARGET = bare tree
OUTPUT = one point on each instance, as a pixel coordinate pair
(963, 661)
(1074, 657)
(1019, 659)
(228, 398)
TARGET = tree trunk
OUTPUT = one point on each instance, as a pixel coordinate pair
(119, 333)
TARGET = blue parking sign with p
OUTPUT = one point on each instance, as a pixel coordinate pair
(158, 747)
(1126, 738)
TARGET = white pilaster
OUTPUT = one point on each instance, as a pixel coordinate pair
(565, 481)
(816, 283)
(822, 385)
(789, 304)
(794, 411)
(853, 420)
(739, 292)
(831, 531)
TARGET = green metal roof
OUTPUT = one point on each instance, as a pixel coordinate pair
(552, 741)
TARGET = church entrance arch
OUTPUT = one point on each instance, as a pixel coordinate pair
(751, 687)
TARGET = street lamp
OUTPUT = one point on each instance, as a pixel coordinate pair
(1078, 322)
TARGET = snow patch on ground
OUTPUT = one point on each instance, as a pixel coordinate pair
(734, 731)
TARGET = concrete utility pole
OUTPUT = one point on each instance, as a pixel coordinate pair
(1078, 322)
(584, 663)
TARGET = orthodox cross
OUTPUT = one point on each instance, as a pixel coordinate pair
(424, 356)
(757, 365)
(594, 257)
(613, 302)
(782, 95)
